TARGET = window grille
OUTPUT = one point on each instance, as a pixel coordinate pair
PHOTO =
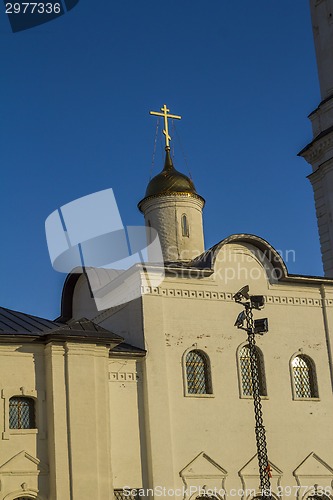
(21, 413)
(123, 494)
(260, 497)
(204, 496)
(318, 497)
(185, 226)
(198, 373)
(303, 377)
(246, 375)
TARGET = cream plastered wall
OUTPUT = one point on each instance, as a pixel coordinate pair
(183, 315)
(322, 22)
(23, 453)
(164, 214)
(320, 156)
(79, 421)
(68, 455)
(127, 422)
(319, 152)
(126, 318)
(209, 441)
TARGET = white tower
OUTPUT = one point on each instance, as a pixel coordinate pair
(319, 153)
(173, 208)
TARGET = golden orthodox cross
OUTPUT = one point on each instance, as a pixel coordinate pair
(165, 115)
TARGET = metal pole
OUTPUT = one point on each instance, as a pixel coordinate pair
(264, 469)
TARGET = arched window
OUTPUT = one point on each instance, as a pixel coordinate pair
(304, 377)
(32, 497)
(198, 373)
(185, 226)
(132, 494)
(319, 493)
(21, 413)
(318, 497)
(245, 372)
(206, 497)
(24, 498)
(260, 497)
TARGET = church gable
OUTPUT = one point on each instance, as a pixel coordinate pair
(203, 466)
(244, 258)
(22, 464)
(249, 475)
(242, 263)
(313, 465)
(250, 469)
(202, 476)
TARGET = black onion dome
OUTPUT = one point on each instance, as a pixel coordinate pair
(169, 181)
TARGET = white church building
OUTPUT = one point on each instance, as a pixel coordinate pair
(153, 397)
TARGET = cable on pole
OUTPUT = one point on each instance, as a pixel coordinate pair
(246, 322)
(154, 149)
(263, 463)
(182, 150)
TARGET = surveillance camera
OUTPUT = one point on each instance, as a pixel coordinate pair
(257, 301)
(260, 326)
(240, 319)
(243, 293)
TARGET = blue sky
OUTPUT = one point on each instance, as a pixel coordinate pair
(76, 96)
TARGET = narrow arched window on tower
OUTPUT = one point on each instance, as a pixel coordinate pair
(198, 373)
(245, 372)
(185, 226)
(149, 235)
(304, 377)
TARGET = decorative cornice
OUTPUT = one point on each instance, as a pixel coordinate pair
(228, 296)
(324, 101)
(182, 194)
(321, 171)
(320, 144)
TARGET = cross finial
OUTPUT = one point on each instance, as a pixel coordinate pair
(165, 115)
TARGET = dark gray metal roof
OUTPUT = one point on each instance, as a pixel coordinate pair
(124, 349)
(85, 329)
(17, 322)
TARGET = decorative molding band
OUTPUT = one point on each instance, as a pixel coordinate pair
(123, 377)
(90, 349)
(319, 174)
(227, 297)
(170, 195)
(317, 148)
(11, 350)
